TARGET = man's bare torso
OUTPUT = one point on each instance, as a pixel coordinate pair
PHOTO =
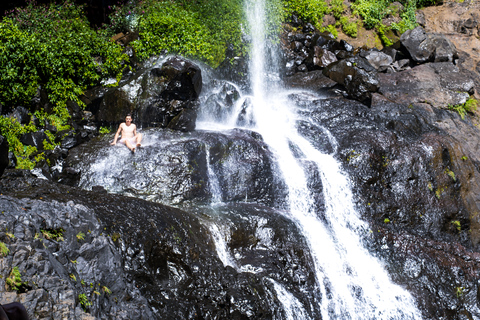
(127, 131)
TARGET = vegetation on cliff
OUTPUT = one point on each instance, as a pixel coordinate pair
(53, 50)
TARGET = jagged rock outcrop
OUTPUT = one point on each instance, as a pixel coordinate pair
(423, 47)
(126, 258)
(163, 96)
(4, 161)
(174, 169)
(438, 84)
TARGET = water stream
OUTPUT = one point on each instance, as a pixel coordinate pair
(350, 282)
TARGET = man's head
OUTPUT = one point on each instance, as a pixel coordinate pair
(128, 118)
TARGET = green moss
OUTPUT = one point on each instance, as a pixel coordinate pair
(3, 249)
(14, 280)
(349, 27)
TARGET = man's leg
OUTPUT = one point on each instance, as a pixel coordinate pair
(129, 145)
(139, 137)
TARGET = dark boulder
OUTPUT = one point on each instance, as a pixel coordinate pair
(424, 47)
(163, 96)
(34, 139)
(21, 115)
(175, 168)
(313, 80)
(378, 59)
(68, 139)
(4, 161)
(438, 84)
(319, 58)
(357, 75)
(182, 78)
(126, 258)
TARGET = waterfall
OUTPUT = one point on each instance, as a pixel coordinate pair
(350, 282)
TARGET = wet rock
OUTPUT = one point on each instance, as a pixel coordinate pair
(68, 139)
(438, 84)
(4, 161)
(162, 95)
(34, 139)
(378, 59)
(179, 171)
(313, 80)
(357, 75)
(424, 47)
(21, 115)
(133, 259)
(319, 58)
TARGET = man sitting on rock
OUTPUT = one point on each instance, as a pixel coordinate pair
(130, 137)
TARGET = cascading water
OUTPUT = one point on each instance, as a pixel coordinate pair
(351, 284)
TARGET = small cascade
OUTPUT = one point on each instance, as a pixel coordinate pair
(220, 239)
(213, 183)
(292, 308)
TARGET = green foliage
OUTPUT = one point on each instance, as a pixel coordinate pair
(371, 11)
(382, 30)
(3, 249)
(80, 236)
(457, 224)
(459, 291)
(199, 30)
(469, 106)
(311, 11)
(123, 18)
(104, 130)
(14, 280)
(337, 8)
(53, 234)
(331, 28)
(12, 130)
(451, 174)
(54, 47)
(349, 27)
(83, 300)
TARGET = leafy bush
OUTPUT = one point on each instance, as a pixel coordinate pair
(349, 27)
(53, 46)
(309, 10)
(83, 300)
(372, 12)
(199, 30)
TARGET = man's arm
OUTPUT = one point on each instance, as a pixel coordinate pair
(134, 130)
(116, 135)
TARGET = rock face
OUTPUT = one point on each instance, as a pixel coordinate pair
(4, 161)
(424, 47)
(175, 168)
(357, 75)
(415, 185)
(133, 259)
(438, 84)
(163, 96)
